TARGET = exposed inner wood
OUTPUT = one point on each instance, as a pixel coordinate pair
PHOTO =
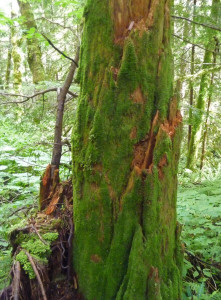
(127, 14)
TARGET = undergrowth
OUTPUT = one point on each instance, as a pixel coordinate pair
(199, 212)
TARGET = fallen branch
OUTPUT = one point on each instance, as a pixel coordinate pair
(216, 265)
(32, 96)
(37, 274)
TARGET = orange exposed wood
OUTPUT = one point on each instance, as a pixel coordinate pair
(96, 258)
(54, 201)
(162, 163)
(131, 14)
(143, 152)
(137, 96)
(133, 133)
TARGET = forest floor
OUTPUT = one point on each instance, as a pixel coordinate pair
(199, 212)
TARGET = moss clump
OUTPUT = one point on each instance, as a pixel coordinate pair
(39, 250)
(23, 259)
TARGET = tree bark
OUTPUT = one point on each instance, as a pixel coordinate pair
(33, 47)
(125, 153)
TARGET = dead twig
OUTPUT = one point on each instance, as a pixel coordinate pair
(59, 51)
(37, 274)
(38, 234)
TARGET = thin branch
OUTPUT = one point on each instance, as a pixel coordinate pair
(37, 274)
(56, 23)
(32, 96)
(215, 265)
(38, 234)
(62, 53)
(191, 43)
(197, 23)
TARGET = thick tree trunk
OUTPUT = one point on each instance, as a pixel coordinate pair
(33, 47)
(197, 119)
(125, 152)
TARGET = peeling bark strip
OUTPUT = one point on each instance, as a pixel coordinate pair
(125, 154)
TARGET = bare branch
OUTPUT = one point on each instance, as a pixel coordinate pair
(191, 43)
(32, 96)
(62, 53)
(197, 23)
(38, 234)
(56, 23)
(37, 274)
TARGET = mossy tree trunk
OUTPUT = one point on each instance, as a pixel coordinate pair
(33, 47)
(9, 62)
(16, 57)
(125, 153)
(192, 67)
(204, 92)
(206, 124)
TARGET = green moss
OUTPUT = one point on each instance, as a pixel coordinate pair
(37, 249)
(26, 265)
(50, 236)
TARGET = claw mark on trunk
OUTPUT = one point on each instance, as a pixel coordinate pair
(143, 152)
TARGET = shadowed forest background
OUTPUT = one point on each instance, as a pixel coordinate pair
(39, 41)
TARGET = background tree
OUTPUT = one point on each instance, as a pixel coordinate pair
(33, 47)
(203, 92)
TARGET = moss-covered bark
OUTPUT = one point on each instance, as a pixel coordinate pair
(204, 94)
(16, 58)
(9, 64)
(125, 152)
(33, 47)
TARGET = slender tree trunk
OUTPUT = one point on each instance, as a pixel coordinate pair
(125, 153)
(57, 149)
(33, 47)
(192, 72)
(203, 97)
(50, 178)
(208, 108)
(9, 63)
(16, 57)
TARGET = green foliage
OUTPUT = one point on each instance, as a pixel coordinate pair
(199, 211)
